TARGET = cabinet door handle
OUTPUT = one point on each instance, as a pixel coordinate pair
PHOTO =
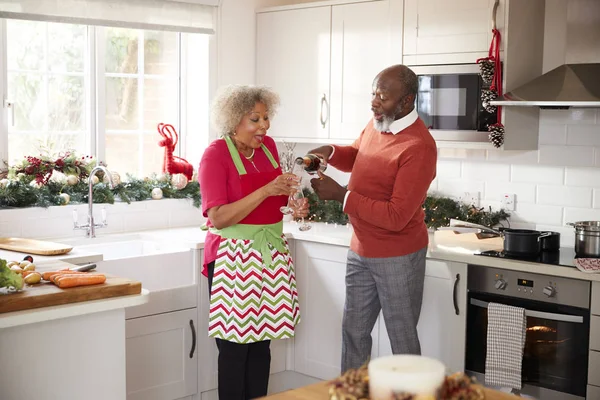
(324, 103)
(193, 338)
(455, 294)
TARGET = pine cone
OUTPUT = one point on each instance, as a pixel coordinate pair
(487, 68)
(496, 135)
(488, 95)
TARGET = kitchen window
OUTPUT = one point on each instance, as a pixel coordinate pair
(101, 91)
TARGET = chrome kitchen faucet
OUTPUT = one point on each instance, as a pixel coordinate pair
(91, 226)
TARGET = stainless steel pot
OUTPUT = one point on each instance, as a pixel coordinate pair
(587, 238)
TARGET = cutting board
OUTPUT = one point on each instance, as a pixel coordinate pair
(32, 246)
(47, 294)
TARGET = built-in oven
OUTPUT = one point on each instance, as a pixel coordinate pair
(449, 102)
(555, 358)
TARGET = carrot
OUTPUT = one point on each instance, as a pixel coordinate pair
(48, 275)
(68, 281)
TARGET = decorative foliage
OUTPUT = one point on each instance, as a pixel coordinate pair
(41, 168)
(439, 211)
(324, 210)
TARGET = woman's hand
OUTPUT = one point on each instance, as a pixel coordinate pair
(300, 208)
(283, 185)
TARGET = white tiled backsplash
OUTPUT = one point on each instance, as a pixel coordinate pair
(57, 222)
(557, 184)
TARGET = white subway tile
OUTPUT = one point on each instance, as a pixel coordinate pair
(489, 172)
(578, 156)
(566, 196)
(513, 156)
(583, 135)
(589, 177)
(186, 218)
(570, 116)
(537, 213)
(456, 187)
(524, 192)
(144, 220)
(522, 225)
(597, 151)
(537, 174)
(581, 214)
(464, 154)
(47, 228)
(553, 134)
(448, 169)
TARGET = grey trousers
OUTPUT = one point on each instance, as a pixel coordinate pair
(394, 285)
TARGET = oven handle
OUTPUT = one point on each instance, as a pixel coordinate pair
(539, 314)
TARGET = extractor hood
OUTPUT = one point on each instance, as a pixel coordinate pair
(570, 85)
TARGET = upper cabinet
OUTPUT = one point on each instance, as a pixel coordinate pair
(322, 59)
(461, 30)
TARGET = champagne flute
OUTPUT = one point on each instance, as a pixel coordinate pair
(288, 209)
(297, 200)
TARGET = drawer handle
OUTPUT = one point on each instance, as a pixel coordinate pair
(455, 294)
(324, 103)
(193, 338)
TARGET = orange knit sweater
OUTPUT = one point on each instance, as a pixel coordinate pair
(390, 178)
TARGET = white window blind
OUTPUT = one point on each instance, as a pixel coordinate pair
(179, 16)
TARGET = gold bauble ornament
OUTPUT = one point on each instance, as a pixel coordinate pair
(94, 179)
(72, 180)
(157, 193)
(4, 183)
(64, 199)
(162, 177)
(116, 178)
(179, 181)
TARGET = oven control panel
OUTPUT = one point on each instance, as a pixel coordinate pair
(531, 286)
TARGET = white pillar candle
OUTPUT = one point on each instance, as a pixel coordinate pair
(412, 374)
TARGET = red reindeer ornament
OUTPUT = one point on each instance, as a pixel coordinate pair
(173, 164)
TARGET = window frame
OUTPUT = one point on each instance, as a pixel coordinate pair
(95, 79)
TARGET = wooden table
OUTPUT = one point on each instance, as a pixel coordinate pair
(321, 391)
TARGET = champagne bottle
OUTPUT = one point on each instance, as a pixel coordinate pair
(312, 163)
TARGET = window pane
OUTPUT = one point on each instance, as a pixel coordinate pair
(67, 45)
(161, 102)
(25, 44)
(26, 90)
(122, 152)
(28, 144)
(122, 104)
(121, 50)
(161, 53)
(67, 108)
(153, 155)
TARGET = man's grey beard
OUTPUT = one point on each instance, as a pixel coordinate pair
(386, 121)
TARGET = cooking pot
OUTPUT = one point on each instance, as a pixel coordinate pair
(587, 238)
(523, 242)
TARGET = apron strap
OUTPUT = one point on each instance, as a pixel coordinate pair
(237, 160)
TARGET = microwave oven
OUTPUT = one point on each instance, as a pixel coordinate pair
(449, 102)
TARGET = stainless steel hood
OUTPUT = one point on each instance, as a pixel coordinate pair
(570, 85)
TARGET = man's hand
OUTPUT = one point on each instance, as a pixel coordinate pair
(323, 151)
(328, 189)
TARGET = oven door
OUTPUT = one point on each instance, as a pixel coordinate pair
(555, 359)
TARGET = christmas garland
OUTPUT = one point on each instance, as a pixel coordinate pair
(46, 181)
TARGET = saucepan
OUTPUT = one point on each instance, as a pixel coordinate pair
(521, 242)
(587, 238)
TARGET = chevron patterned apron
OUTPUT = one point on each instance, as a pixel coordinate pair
(253, 293)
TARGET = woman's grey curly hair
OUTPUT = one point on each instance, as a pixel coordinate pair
(232, 102)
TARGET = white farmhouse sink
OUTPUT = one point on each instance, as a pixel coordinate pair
(159, 266)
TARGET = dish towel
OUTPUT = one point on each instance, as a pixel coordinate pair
(505, 343)
(589, 265)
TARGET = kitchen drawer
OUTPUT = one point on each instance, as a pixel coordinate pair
(595, 333)
(593, 393)
(595, 298)
(594, 368)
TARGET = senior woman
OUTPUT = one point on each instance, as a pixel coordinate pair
(253, 296)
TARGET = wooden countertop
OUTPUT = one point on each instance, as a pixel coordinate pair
(321, 391)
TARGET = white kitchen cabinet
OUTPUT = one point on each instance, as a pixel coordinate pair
(453, 27)
(322, 61)
(320, 274)
(442, 323)
(293, 58)
(161, 360)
